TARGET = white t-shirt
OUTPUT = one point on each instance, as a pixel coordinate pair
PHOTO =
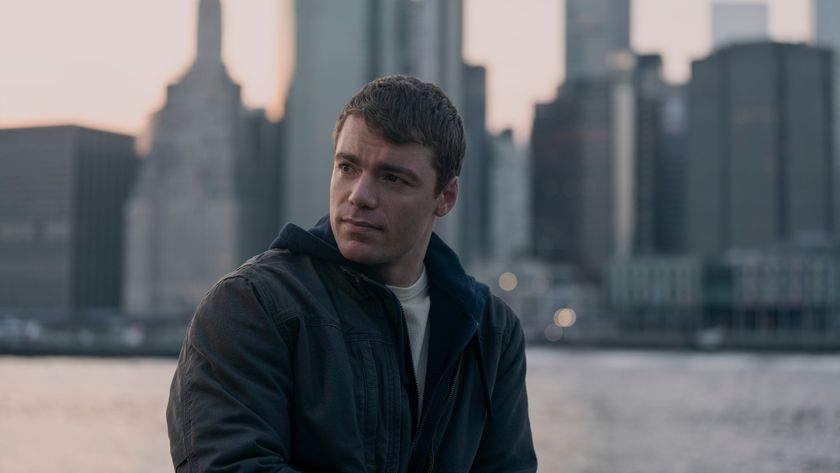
(415, 302)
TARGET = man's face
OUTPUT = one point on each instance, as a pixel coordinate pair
(383, 203)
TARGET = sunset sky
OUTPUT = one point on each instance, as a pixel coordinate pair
(105, 63)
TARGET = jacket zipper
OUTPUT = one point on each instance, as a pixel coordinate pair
(420, 416)
(443, 410)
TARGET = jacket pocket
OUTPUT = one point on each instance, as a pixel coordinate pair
(367, 398)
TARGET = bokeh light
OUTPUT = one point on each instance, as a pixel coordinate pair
(553, 333)
(508, 281)
(565, 317)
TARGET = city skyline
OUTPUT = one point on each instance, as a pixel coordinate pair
(58, 69)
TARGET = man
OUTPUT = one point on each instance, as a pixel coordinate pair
(359, 345)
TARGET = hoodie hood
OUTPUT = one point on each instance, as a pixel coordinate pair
(318, 242)
(442, 264)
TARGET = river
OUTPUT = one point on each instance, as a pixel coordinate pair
(592, 412)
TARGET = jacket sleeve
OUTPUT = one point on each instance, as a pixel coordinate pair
(228, 405)
(506, 443)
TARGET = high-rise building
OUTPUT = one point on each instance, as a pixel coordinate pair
(584, 145)
(737, 22)
(595, 151)
(342, 45)
(339, 46)
(509, 200)
(648, 126)
(636, 141)
(203, 203)
(669, 179)
(571, 173)
(595, 31)
(434, 46)
(62, 190)
(473, 199)
(826, 20)
(759, 165)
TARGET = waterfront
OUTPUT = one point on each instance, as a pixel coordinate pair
(592, 412)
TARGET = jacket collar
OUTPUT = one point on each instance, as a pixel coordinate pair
(443, 267)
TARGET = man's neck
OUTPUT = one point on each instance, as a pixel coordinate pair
(400, 276)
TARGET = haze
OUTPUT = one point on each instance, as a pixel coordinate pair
(105, 63)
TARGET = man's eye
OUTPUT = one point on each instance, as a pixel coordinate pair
(393, 178)
(344, 167)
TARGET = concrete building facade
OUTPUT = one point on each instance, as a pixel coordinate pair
(759, 161)
(571, 174)
(473, 207)
(62, 191)
(826, 19)
(510, 200)
(594, 152)
(203, 202)
(784, 295)
(669, 180)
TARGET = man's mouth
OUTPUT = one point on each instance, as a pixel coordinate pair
(359, 225)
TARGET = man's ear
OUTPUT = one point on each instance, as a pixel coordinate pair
(447, 198)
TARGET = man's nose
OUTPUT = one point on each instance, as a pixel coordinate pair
(363, 194)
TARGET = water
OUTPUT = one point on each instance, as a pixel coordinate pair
(693, 413)
(592, 412)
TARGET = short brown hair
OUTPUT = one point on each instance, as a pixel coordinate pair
(404, 109)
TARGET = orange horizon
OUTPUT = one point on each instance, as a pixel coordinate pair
(106, 65)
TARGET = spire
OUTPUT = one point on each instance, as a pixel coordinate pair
(209, 43)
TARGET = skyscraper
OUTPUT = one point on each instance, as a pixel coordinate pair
(595, 31)
(734, 22)
(340, 46)
(201, 206)
(759, 168)
(583, 144)
(669, 179)
(435, 50)
(595, 150)
(509, 200)
(648, 124)
(826, 20)
(572, 176)
(62, 190)
(473, 199)
(435, 43)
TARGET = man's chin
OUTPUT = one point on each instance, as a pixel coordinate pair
(358, 252)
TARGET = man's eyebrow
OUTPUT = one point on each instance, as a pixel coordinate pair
(347, 157)
(384, 167)
(393, 168)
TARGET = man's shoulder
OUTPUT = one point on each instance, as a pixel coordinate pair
(283, 280)
(272, 261)
(282, 265)
(495, 318)
(499, 317)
